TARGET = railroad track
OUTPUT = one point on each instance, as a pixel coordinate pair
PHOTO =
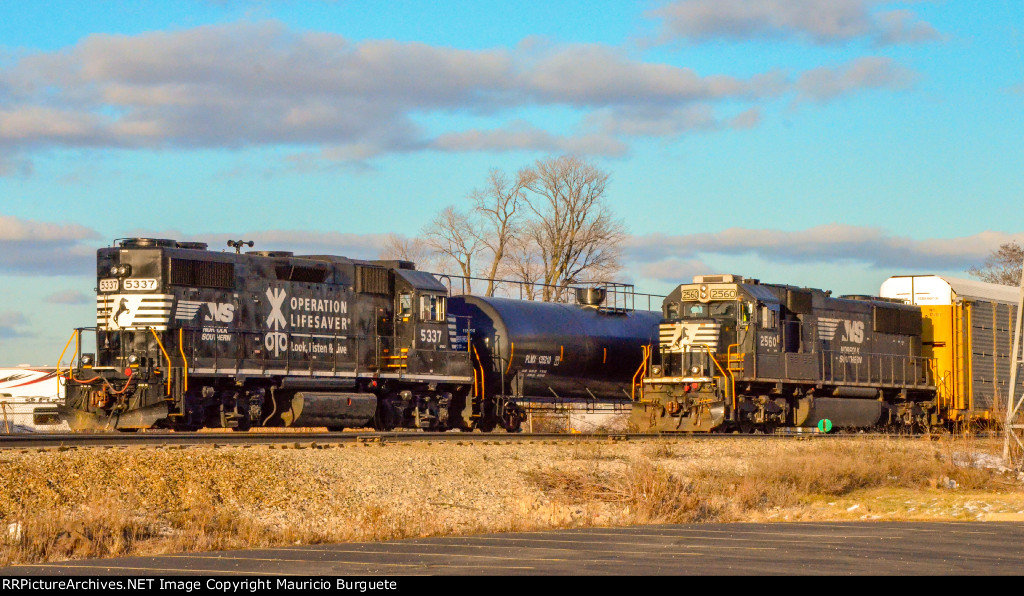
(323, 439)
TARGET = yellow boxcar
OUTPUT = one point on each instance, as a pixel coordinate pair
(968, 331)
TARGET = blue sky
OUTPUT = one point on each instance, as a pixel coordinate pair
(820, 143)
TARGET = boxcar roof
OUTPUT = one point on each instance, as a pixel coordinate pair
(898, 286)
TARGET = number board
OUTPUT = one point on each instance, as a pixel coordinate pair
(139, 284)
(109, 285)
(711, 293)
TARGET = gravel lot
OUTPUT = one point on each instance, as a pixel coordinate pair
(112, 501)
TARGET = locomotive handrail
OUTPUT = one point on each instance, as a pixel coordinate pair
(851, 372)
(731, 387)
(166, 355)
(74, 334)
(181, 348)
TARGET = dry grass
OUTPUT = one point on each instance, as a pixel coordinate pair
(105, 503)
(747, 489)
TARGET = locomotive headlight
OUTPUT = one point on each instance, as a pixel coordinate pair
(656, 371)
(695, 370)
(124, 270)
(133, 359)
(87, 360)
(114, 270)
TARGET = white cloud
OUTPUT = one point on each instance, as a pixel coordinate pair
(521, 136)
(816, 21)
(69, 297)
(40, 248)
(673, 270)
(831, 243)
(260, 84)
(872, 72)
(12, 324)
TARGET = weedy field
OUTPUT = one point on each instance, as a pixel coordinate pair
(102, 502)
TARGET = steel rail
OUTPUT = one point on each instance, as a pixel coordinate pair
(314, 439)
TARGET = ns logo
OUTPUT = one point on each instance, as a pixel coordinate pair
(220, 312)
(853, 331)
(844, 330)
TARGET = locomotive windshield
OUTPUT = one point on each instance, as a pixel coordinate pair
(710, 310)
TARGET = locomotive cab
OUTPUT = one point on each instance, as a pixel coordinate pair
(421, 321)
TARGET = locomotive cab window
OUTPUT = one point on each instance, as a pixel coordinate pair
(695, 311)
(769, 317)
(722, 309)
(405, 305)
(432, 307)
(717, 310)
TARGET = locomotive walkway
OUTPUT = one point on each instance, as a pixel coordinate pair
(696, 549)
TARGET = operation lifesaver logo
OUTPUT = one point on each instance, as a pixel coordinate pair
(313, 314)
(276, 341)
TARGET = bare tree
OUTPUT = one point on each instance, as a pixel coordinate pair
(498, 206)
(577, 234)
(414, 249)
(522, 261)
(456, 237)
(1003, 266)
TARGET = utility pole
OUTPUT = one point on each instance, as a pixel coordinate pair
(1013, 402)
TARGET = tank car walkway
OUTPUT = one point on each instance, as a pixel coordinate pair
(761, 549)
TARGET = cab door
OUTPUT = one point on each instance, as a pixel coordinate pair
(769, 334)
(405, 327)
(769, 342)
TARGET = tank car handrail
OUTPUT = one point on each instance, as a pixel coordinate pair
(640, 372)
(617, 289)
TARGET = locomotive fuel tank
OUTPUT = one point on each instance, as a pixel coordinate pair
(553, 350)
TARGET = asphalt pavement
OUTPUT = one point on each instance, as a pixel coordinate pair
(695, 549)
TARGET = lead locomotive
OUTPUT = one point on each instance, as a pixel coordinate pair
(736, 354)
(187, 337)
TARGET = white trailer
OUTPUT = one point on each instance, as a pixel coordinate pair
(28, 399)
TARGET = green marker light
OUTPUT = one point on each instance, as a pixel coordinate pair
(825, 425)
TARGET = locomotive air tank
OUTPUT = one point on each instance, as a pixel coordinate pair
(552, 351)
